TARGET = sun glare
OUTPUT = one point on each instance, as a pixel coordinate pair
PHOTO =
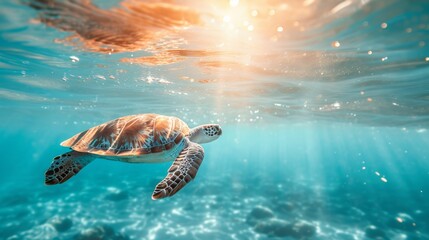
(234, 3)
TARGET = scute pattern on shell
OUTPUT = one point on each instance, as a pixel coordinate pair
(130, 136)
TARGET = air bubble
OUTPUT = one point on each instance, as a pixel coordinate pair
(335, 44)
(74, 59)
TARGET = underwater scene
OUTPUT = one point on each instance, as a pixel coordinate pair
(247, 119)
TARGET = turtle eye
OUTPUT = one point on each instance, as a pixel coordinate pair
(219, 131)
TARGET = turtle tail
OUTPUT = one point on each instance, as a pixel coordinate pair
(65, 166)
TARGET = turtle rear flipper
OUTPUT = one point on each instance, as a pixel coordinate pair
(66, 166)
(183, 170)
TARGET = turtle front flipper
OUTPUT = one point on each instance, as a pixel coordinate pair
(66, 166)
(183, 170)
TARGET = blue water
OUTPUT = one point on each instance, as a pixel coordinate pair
(324, 107)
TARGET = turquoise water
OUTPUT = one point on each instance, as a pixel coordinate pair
(324, 107)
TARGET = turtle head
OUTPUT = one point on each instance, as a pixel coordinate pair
(205, 133)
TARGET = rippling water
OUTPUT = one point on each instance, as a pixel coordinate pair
(324, 106)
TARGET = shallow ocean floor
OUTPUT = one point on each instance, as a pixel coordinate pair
(228, 207)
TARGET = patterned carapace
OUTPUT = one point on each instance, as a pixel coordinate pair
(131, 135)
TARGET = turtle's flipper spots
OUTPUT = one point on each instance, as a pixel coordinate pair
(182, 171)
(66, 166)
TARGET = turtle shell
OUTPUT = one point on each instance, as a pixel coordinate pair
(130, 135)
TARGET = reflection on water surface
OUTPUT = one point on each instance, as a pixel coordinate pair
(294, 59)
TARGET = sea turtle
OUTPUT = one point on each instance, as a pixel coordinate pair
(142, 138)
